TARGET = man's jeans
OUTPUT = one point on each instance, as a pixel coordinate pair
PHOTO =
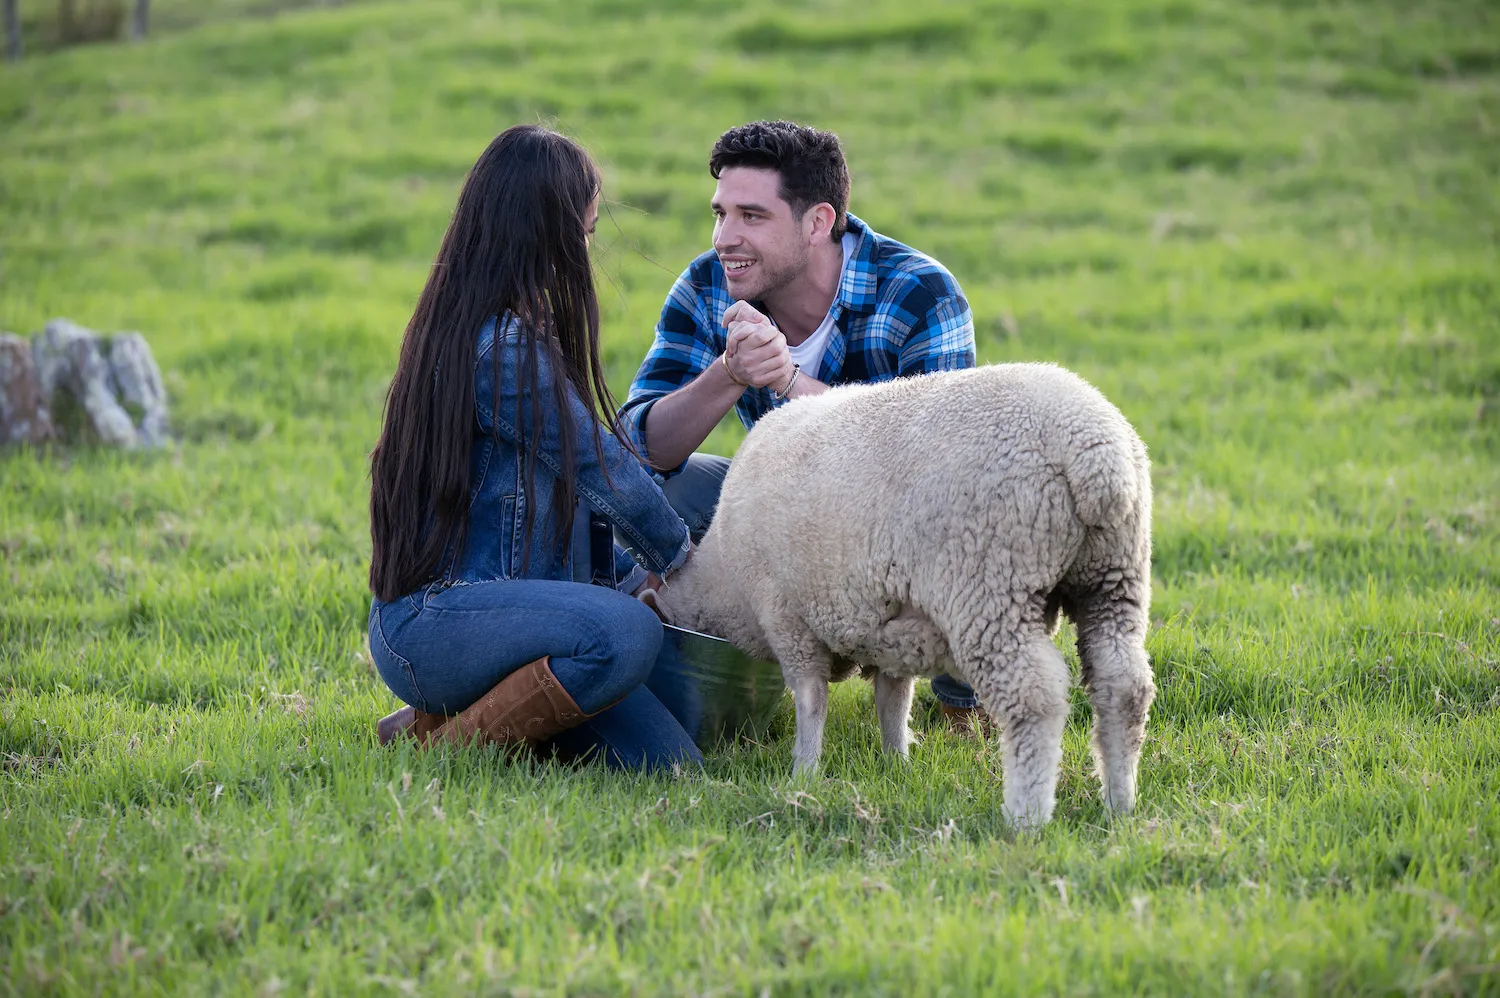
(441, 649)
(694, 494)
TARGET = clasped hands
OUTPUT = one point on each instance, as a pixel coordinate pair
(756, 354)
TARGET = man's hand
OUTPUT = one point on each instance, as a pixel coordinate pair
(756, 353)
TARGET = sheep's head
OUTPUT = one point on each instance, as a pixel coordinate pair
(685, 600)
(672, 601)
(705, 595)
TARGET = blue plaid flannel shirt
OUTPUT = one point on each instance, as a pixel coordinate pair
(897, 313)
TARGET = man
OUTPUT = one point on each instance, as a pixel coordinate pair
(796, 296)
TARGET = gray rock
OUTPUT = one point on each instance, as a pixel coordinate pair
(138, 386)
(105, 391)
(72, 370)
(50, 356)
(24, 418)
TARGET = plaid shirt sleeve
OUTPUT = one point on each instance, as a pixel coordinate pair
(942, 340)
(688, 340)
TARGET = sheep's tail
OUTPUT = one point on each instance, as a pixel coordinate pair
(1105, 479)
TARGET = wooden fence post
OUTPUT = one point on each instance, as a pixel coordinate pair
(12, 31)
(138, 23)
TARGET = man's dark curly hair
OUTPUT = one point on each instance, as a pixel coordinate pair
(810, 163)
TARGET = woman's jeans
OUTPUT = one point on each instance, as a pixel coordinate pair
(441, 649)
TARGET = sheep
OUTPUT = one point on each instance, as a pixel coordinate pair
(939, 523)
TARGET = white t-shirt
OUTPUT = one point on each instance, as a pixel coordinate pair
(809, 353)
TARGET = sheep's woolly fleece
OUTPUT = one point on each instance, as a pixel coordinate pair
(938, 524)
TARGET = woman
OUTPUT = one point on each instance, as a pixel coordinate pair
(491, 439)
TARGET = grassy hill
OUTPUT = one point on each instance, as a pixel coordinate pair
(1268, 231)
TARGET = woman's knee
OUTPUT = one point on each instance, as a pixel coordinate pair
(645, 632)
(636, 639)
(621, 648)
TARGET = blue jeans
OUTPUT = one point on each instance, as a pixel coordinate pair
(694, 494)
(441, 649)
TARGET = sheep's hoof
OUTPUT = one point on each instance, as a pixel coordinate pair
(1025, 822)
(903, 751)
(805, 771)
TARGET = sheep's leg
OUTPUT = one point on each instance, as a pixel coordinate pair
(1117, 674)
(810, 698)
(806, 664)
(893, 708)
(1025, 688)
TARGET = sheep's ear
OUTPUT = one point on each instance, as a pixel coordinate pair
(649, 597)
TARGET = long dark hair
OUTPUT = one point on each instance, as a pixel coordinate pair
(517, 244)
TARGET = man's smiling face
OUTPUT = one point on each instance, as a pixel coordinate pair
(758, 238)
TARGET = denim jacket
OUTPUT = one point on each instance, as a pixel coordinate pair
(628, 497)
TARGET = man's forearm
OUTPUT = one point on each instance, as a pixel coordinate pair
(677, 424)
(806, 386)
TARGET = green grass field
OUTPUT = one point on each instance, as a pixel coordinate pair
(1268, 231)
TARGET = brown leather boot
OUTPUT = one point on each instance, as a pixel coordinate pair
(529, 705)
(407, 721)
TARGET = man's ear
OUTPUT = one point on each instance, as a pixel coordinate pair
(649, 597)
(821, 217)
